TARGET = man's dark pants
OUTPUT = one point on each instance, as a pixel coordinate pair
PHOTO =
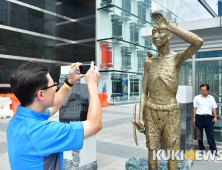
(205, 121)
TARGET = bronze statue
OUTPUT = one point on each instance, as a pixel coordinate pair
(160, 113)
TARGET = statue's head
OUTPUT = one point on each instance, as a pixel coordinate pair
(160, 36)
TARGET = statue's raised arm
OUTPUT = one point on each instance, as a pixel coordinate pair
(191, 38)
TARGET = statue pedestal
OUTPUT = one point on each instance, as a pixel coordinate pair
(185, 99)
(84, 159)
(75, 108)
(142, 164)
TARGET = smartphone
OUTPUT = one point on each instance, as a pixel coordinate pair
(84, 68)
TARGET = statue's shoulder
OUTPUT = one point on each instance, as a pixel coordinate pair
(148, 61)
(154, 57)
(178, 54)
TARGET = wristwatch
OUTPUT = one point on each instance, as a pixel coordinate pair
(67, 82)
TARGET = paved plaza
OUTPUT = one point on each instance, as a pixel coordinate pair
(115, 142)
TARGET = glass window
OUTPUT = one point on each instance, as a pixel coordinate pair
(213, 4)
(185, 75)
(105, 54)
(105, 19)
(126, 87)
(218, 131)
(219, 8)
(63, 44)
(119, 87)
(175, 11)
(135, 86)
(209, 54)
(209, 72)
(121, 56)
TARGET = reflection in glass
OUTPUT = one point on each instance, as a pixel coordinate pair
(122, 56)
(119, 87)
(175, 11)
(185, 75)
(117, 22)
(105, 3)
(125, 87)
(135, 81)
(126, 5)
(121, 25)
(213, 4)
(126, 58)
(218, 131)
(209, 54)
(106, 53)
(209, 72)
(37, 21)
(141, 56)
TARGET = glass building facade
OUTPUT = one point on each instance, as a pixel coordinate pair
(206, 67)
(121, 51)
(53, 32)
(213, 4)
(219, 8)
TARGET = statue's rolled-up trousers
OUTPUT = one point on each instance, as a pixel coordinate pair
(162, 119)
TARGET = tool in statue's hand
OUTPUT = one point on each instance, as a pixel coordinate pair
(139, 127)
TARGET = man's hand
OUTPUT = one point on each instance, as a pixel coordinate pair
(194, 120)
(92, 75)
(160, 20)
(61, 95)
(215, 120)
(72, 76)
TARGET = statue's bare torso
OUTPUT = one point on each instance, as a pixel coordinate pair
(163, 76)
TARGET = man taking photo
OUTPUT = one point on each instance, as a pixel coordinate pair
(35, 143)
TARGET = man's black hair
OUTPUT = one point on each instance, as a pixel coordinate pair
(27, 79)
(205, 85)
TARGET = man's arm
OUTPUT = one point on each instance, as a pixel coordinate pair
(61, 95)
(191, 38)
(215, 115)
(194, 114)
(214, 110)
(93, 123)
(194, 109)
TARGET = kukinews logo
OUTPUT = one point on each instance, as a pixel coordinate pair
(185, 155)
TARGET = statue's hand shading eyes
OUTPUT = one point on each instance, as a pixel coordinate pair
(161, 20)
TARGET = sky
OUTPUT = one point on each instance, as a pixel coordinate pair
(213, 4)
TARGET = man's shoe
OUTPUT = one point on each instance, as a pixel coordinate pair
(201, 152)
(217, 154)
